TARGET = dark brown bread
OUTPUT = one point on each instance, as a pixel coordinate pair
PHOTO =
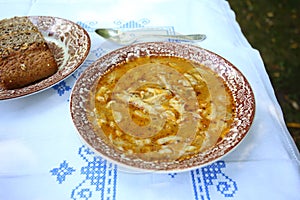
(24, 54)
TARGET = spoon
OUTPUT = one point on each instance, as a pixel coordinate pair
(129, 37)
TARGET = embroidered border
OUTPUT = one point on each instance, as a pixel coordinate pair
(206, 177)
(99, 176)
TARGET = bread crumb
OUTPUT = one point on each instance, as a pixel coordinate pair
(23, 66)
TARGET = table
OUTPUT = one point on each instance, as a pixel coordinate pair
(42, 157)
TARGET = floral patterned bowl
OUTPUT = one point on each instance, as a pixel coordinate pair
(82, 106)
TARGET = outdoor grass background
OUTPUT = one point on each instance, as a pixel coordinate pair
(273, 28)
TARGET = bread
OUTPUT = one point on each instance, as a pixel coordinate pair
(25, 57)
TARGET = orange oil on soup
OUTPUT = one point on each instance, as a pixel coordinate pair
(163, 108)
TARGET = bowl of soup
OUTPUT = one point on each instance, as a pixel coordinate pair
(161, 106)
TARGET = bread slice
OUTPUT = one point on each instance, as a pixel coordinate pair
(24, 54)
(16, 24)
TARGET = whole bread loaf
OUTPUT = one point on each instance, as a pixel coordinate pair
(25, 57)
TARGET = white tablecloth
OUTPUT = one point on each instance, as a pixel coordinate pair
(42, 157)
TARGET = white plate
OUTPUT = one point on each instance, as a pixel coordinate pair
(71, 45)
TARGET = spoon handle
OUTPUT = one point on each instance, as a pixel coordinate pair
(131, 36)
(191, 37)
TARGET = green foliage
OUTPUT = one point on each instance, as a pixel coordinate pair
(273, 27)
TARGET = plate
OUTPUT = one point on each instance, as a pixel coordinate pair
(82, 106)
(70, 44)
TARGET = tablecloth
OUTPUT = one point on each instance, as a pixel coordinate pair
(42, 156)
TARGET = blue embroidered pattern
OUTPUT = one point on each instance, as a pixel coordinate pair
(209, 176)
(99, 177)
(98, 173)
(98, 52)
(172, 175)
(132, 24)
(88, 27)
(61, 88)
(62, 171)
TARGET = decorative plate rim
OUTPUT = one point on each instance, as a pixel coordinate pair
(245, 104)
(62, 73)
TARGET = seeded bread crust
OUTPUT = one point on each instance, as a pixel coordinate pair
(24, 54)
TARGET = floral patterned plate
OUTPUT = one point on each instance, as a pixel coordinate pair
(82, 105)
(70, 44)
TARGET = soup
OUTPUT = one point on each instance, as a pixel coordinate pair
(162, 108)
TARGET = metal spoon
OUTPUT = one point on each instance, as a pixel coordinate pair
(129, 37)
